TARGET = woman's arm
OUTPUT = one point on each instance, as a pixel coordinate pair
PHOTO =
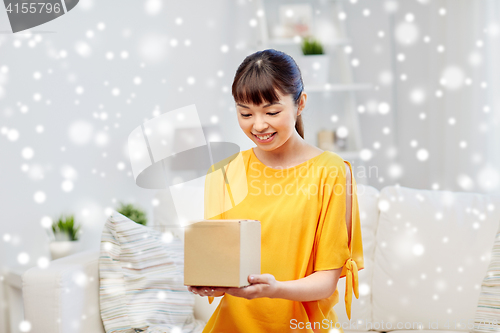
(320, 284)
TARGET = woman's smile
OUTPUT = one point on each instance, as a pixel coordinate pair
(265, 138)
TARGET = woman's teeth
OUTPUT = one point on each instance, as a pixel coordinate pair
(265, 137)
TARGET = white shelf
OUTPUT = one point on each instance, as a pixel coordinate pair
(340, 68)
(338, 87)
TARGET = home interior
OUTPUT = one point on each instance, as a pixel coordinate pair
(404, 90)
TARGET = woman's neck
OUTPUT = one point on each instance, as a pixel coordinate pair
(288, 151)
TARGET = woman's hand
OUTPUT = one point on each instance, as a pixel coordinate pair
(205, 291)
(262, 285)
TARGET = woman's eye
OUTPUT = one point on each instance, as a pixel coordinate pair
(248, 115)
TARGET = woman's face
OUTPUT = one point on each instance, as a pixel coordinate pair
(277, 119)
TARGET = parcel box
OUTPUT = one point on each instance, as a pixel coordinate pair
(221, 253)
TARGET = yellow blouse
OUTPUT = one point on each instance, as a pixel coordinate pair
(303, 230)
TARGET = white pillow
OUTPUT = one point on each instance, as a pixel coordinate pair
(141, 273)
(488, 306)
(431, 255)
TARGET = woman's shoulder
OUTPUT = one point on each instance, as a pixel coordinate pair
(331, 158)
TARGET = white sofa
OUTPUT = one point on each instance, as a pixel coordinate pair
(426, 254)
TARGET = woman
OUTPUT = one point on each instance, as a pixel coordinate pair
(310, 227)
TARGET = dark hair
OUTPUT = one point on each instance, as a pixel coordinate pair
(262, 73)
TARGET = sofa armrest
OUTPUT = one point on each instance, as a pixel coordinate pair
(64, 297)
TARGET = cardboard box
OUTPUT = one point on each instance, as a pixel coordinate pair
(221, 253)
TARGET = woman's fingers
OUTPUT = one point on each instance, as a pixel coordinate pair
(209, 291)
(206, 291)
(203, 291)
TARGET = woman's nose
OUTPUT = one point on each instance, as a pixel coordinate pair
(260, 125)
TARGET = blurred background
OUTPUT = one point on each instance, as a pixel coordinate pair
(404, 90)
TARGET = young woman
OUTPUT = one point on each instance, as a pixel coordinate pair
(306, 202)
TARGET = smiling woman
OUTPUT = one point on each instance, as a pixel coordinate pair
(276, 127)
(310, 226)
(257, 80)
(263, 124)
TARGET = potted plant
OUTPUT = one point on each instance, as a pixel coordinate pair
(133, 212)
(66, 237)
(314, 64)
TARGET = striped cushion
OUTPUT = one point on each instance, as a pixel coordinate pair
(142, 280)
(488, 307)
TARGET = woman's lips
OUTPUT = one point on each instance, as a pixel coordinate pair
(266, 140)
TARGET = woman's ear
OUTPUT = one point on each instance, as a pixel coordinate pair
(302, 103)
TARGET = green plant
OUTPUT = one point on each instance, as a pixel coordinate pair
(311, 46)
(65, 226)
(133, 212)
